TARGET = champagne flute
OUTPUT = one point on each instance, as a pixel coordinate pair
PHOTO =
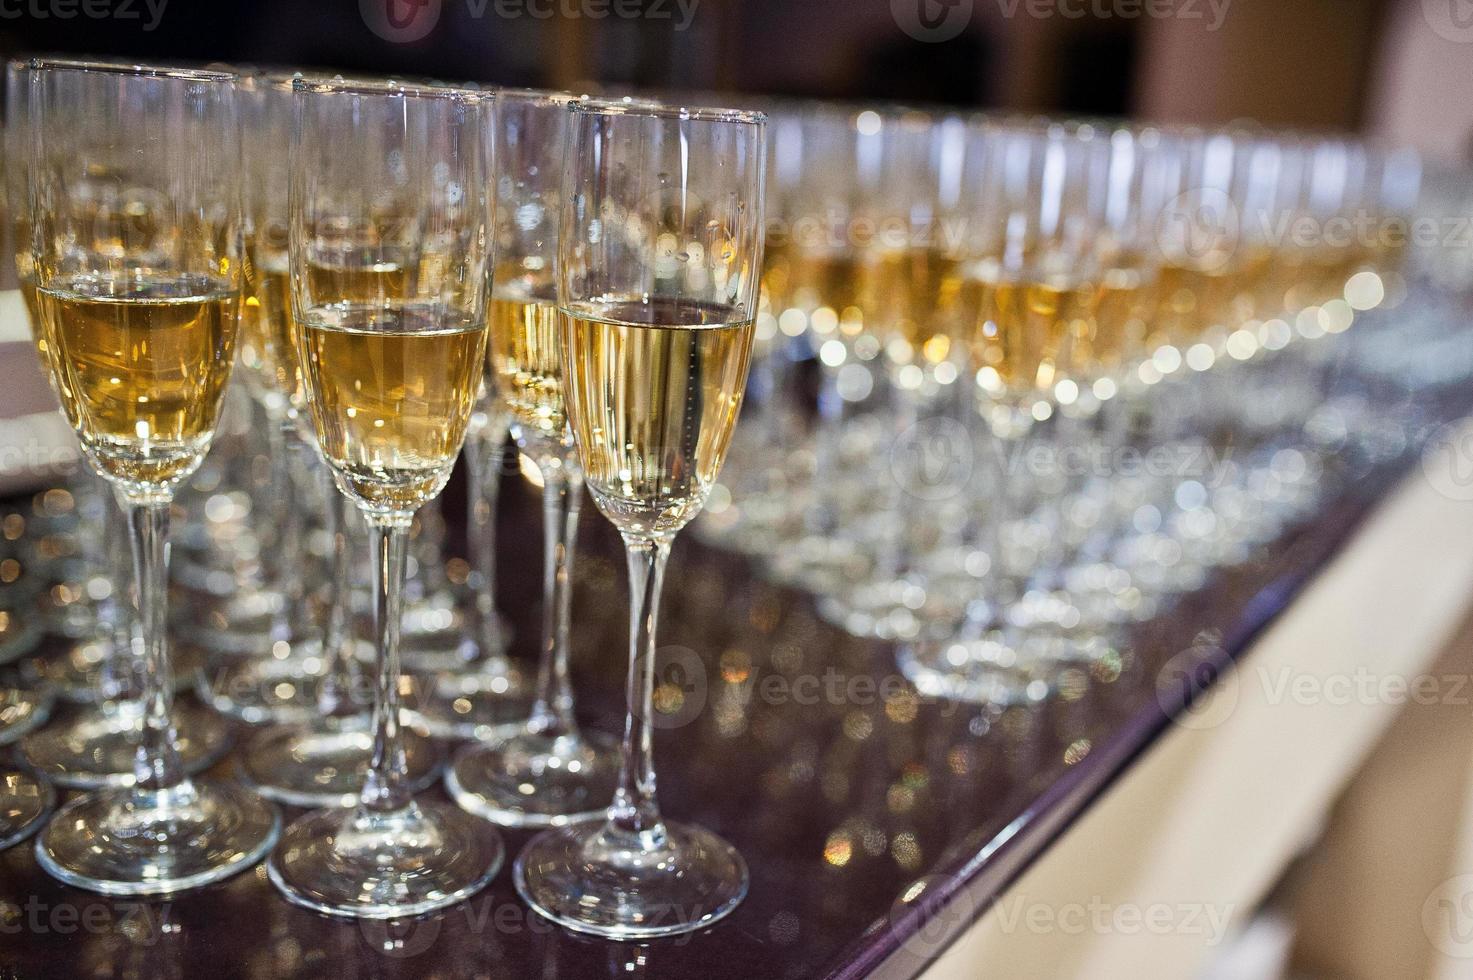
(139, 308)
(93, 746)
(320, 760)
(658, 263)
(90, 665)
(1033, 278)
(263, 635)
(390, 210)
(546, 772)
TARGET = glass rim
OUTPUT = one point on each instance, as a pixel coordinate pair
(125, 68)
(275, 80)
(387, 88)
(615, 107)
(534, 96)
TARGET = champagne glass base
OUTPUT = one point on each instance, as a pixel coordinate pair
(25, 800)
(487, 705)
(438, 640)
(367, 865)
(95, 749)
(241, 625)
(580, 878)
(22, 711)
(818, 563)
(982, 670)
(279, 690)
(531, 780)
(157, 842)
(325, 763)
(901, 609)
(433, 635)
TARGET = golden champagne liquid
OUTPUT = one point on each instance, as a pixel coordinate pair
(777, 278)
(141, 368)
(906, 293)
(1198, 302)
(1332, 266)
(1025, 328)
(832, 280)
(391, 391)
(32, 299)
(1254, 273)
(25, 274)
(379, 278)
(268, 344)
(1114, 336)
(1280, 290)
(653, 391)
(527, 363)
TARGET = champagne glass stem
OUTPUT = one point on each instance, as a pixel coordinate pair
(117, 674)
(894, 558)
(286, 567)
(562, 495)
(157, 765)
(1001, 508)
(483, 486)
(821, 517)
(335, 693)
(385, 790)
(634, 812)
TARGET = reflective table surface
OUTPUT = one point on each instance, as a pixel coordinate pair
(877, 822)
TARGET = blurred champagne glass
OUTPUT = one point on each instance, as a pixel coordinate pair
(93, 668)
(137, 258)
(321, 756)
(545, 771)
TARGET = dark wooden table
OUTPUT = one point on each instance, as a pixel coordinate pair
(877, 823)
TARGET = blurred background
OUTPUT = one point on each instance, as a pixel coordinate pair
(1401, 69)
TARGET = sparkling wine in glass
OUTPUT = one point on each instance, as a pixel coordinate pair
(656, 336)
(322, 758)
(390, 215)
(138, 271)
(547, 770)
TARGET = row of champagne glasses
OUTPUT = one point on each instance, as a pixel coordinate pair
(367, 312)
(1032, 289)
